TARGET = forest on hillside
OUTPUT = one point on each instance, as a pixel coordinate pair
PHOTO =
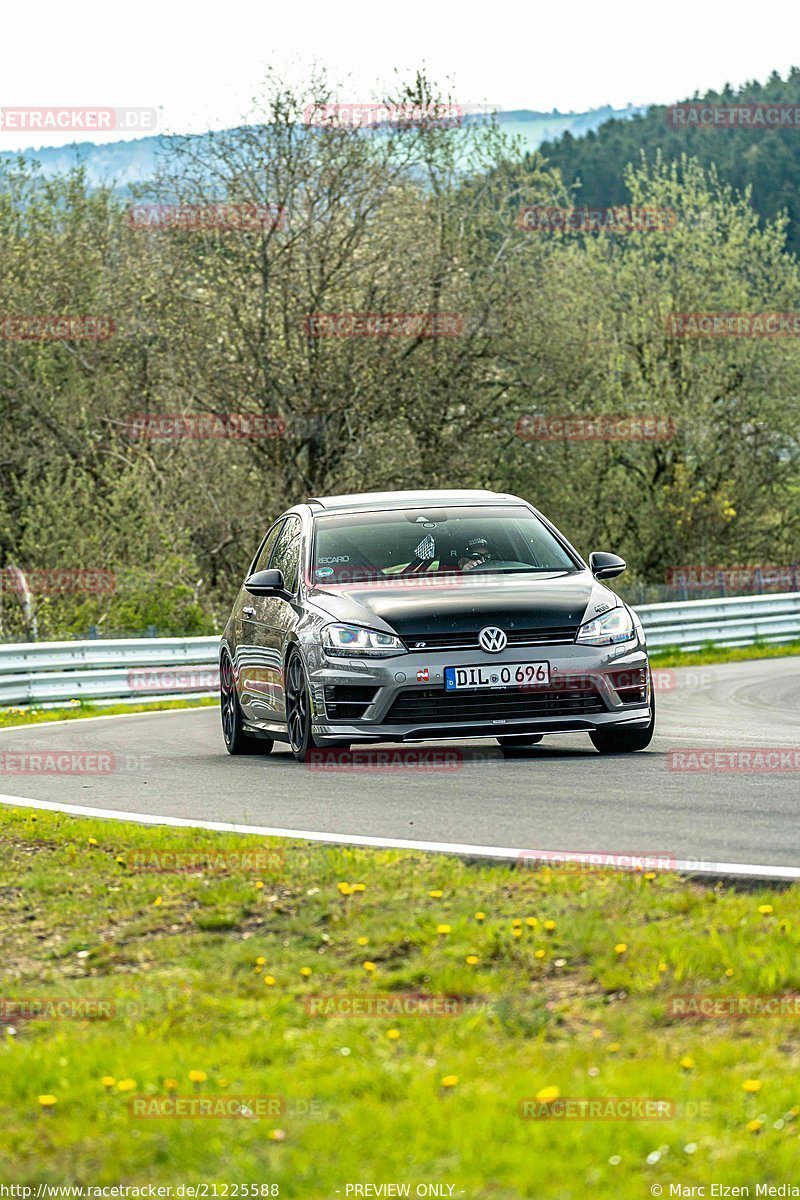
(198, 320)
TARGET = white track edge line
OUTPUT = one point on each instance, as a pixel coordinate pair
(465, 849)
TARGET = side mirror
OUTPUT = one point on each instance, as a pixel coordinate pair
(264, 583)
(601, 564)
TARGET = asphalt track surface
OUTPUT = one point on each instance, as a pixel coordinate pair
(559, 795)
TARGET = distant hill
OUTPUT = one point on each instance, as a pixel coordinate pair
(766, 159)
(125, 163)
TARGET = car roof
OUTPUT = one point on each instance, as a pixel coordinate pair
(372, 501)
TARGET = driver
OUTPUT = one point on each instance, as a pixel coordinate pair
(476, 552)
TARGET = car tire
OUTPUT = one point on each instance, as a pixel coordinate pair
(626, 741)
(520, 740)
(236, 740)
(298, 709)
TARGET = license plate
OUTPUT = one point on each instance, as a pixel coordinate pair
(521, 675)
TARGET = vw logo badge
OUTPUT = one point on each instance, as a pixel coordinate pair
(492, 639)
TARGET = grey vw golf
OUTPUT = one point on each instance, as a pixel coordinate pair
(408, 616)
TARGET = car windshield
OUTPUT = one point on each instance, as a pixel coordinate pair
(357, 547)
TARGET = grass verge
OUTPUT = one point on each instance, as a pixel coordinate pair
(564, 983)
(673, 656)
(11, 717)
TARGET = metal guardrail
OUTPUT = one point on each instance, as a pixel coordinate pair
(736, 621)
(141, 670)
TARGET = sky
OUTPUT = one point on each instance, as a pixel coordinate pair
(199, 65)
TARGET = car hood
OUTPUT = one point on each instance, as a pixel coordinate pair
(416, 605)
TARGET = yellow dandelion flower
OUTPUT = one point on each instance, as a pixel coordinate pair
(305, 972)
(436, 895)
(344, 884)
(621, 948)
(754, 1126)
(171, 1085)
(516, 933)
(471, 960)
(108, 1081)
(765, 909)
(269, 980)
(393, 1034)
(260, 961)
(346, 890)
(649, 874)
(276, 1135)
(197, 1076)
(546, 1094)
(259, 884)
(549, 926)
(126, 1085)
(532, 922)
(47, 1101)
(663, 967)
(93, 842)
(362, 941)
(613, 1047)
(480, 916)
(120, 859)
(752, 1085)
(597, 1033)
(538, 954)
(443, 928)
(449, 1081)
(687, 1062)
(369, 967)
(729, 971)
(516, 922)
(359, 887)
(157, 901)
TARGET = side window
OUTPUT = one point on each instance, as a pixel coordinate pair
(286, 556)
(262, 562)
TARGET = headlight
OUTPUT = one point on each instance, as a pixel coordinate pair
(606, 630)
(349, 641)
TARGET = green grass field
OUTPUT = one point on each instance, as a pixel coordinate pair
(564, 983)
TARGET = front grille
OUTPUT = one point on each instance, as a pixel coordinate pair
(347, 702)
(555, 635)
(431, 705)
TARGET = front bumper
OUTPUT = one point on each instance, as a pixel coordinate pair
(582, 695)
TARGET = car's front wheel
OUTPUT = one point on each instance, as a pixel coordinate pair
(298, 709)
(626, 741)
(236, 740)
